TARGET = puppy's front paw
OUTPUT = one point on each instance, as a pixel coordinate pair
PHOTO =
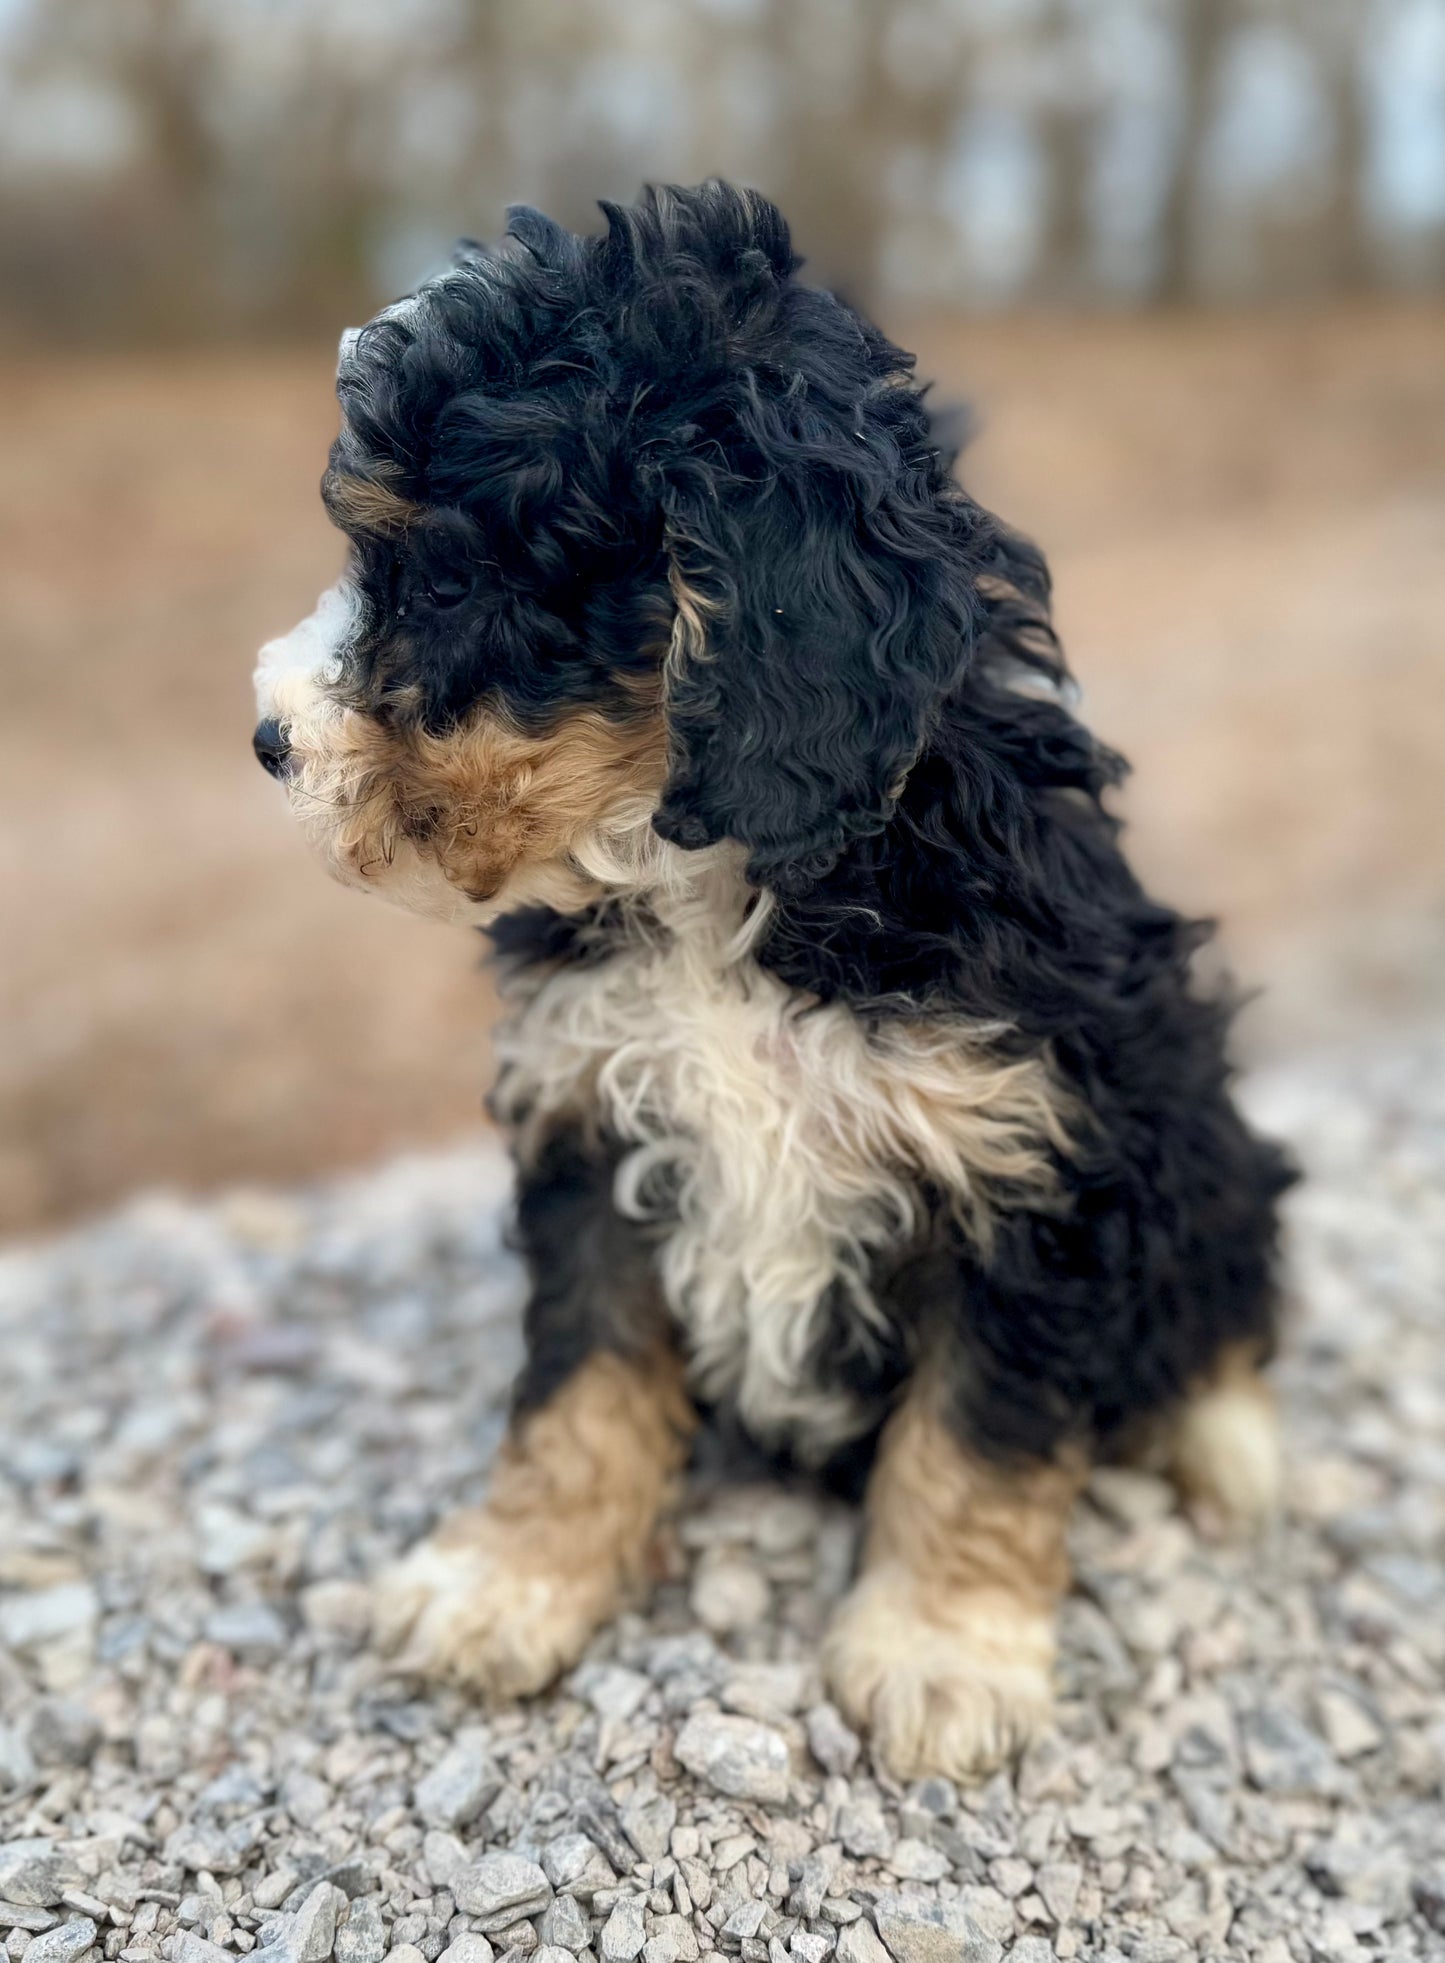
(476, 1605)
(952, 1684)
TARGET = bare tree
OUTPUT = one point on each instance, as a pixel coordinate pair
(1067, 129)
(835, 157)
(1204, 27)
(1347, 257)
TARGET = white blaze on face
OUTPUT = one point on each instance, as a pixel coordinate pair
(311, 653)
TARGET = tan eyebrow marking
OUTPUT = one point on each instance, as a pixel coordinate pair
(362, 504)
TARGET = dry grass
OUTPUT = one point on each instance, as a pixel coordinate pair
(1246, 520)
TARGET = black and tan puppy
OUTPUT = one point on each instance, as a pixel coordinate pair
(857, 1089)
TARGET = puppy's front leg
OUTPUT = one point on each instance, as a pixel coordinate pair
(506, 1595)
(944, 1648)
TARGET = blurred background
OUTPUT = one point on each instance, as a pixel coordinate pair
(1186, 258)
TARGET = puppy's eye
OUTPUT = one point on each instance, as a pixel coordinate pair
(445, 590)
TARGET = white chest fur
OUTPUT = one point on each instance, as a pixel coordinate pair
(789, 1139)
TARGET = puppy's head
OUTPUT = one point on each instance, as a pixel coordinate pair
(643, 534)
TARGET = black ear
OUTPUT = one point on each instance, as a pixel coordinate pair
(823, 570)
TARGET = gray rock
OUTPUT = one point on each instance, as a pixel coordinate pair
(1349, 1728)
(470, 1947)
(361, 1938)
(35, 1873)
(648, 1820)
(236, 1786)
(697, 1880)
(767, 1691)
(546, 1953)
(461, 1785)
(17, 1763)
(62, 1732)
(623, 1933)
(1032, 1949)
(251, 1630)
(735, 1756)
(858, 1943)
(273, 1888)
(833, 1744)
(1429, 1893)
(991, 1910)
(191, 1948)
(312, 1934)
(807, 1948)
(744, 1922)
(63, 1944)
(611, 1690)
(730, 1593)
(1363, 1862)
(863, 1829)
(816, 1875)
(679, 1936)
(43, 1615)
(500, 1888)
(1011, 1878)
(353, 1876)
(228, 1540)
(445, 1857)
(916, 1860)
(520, 1940)
(1283, 1755)
(595, 1813)
(563, 1925)
(216, 1848)
(1210, 1807)
(14, 1916)
(916, 1930)
(1058, 1884)
(305, 1797)
(576, 1865)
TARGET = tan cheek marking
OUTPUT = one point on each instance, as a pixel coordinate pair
(479, 803)
(498, 799)
(506, 1596)
(945, 1646)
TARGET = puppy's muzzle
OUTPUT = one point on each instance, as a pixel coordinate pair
(273, 752)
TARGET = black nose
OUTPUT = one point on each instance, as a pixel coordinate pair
(273, 752)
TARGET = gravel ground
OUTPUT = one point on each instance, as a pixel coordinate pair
(216, 1420)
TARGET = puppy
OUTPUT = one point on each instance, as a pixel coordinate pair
(858, 1092)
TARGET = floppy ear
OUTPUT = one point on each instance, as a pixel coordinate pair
(823, 571)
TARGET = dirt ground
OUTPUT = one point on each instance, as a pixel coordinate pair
(1247, 524)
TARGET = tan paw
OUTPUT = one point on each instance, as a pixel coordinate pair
(1226, 1456)
(950, 1685)
(473, 1606)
